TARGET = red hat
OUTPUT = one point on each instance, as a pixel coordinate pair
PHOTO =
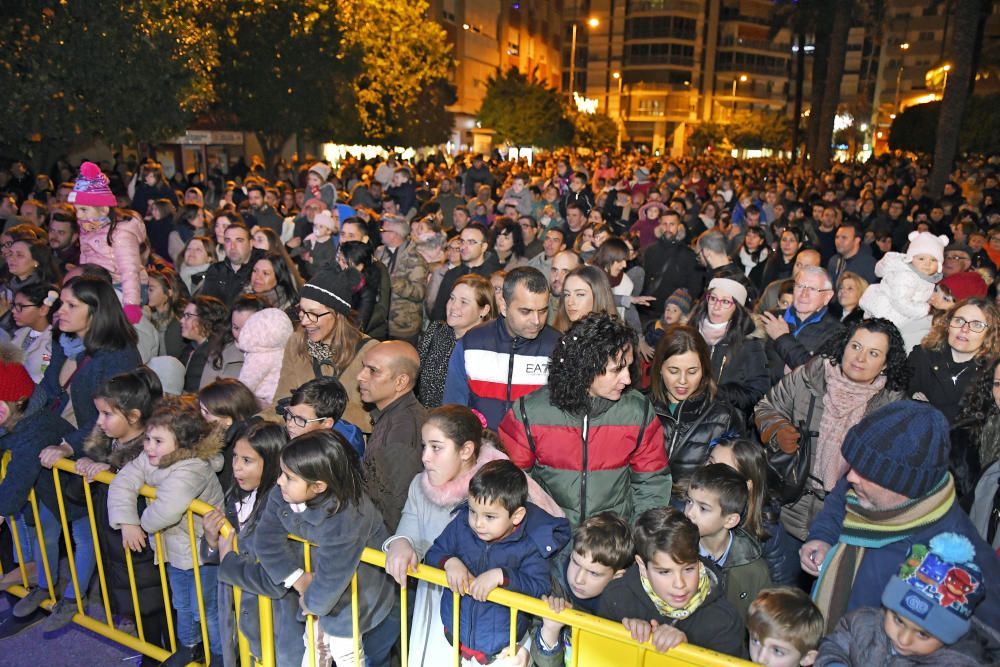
(15, 383)
(91, 188)
(965, 284)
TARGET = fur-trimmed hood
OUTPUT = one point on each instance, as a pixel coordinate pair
(208, 448)
(102, 449)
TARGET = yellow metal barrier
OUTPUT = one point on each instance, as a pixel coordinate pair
(603, 643)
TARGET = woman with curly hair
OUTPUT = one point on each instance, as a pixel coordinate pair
(593, 449)
(975, 438)
(958, 346)
(853, 375)
(203, 322)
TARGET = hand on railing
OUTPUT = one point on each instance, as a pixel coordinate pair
(459, 577)
(53, 453)
(664, 637)
(90, 469)
(399, 559)
(551, 627)
(133, 537)
(485, 584)
(212, 523)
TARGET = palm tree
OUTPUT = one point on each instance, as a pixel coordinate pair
(842, 19)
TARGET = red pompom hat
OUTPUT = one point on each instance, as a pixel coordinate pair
(15, 383)
(91, 188)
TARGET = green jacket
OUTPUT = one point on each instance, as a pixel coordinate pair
(745, 572)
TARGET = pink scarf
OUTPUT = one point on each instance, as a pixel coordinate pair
(712, 333)
(844, 404)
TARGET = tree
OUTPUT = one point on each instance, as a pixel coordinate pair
(765, 129)
(914, 129)
(593, 130)
(706, 134)
(842, 17)
(115, 70)
(524, 112)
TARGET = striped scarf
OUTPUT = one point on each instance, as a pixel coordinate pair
(872, 529)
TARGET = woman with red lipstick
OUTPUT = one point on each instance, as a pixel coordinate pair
(684, 393)
(851, 376)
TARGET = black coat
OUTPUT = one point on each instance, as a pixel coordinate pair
(486, 269)
(225, 284)
(741, 372)
(671, 265)
(793, 350)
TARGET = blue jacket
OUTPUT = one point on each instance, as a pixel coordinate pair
(522, 555)
(489, 369)
(33, 432)
(879, 565)
(352, 434)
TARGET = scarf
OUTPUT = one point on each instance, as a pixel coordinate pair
(865, 528)
(72, 346)
(712, 333)
(95, 224)
(320, 352)
(680, 613)
(844, 404)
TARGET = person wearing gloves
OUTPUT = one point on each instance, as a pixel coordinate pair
(263, 339)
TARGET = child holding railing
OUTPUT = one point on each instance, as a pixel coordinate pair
(181, 456)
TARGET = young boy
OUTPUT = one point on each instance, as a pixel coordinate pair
(318, 405)
(785, 628)
(602, 550)
(926, 615)
(670, 595)
(497, 539)
(717, 500)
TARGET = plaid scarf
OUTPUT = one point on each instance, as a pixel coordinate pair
(679, 613)
(865, 528)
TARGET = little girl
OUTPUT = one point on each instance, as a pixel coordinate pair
(123, 405)
(321, 251)
(180, 458)
(456, 444)
(110, 237)
(320, 498)
(317, 185)
(255, 472)
(907, 285)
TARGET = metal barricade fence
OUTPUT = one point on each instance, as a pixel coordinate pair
(595, 642)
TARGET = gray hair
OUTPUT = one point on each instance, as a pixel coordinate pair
(819, 272)
(713, 240)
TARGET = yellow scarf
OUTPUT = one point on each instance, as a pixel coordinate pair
(678, 613)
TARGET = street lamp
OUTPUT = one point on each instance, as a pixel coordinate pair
(946, 68)
(617, 76)
(899, 73)
(593, 23)
(742, 78)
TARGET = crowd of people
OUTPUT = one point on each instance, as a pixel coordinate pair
(744, 405)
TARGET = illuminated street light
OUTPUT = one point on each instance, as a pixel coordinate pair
(593, 22)
(742, 78)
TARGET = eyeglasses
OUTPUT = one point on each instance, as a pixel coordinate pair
(300, 422)
(471, 242)
(716, 301)
(19, 307)
(311, 318)
(188, 316)
(809, 289)
(976, 326)
(957, 257)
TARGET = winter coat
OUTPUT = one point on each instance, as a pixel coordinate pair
(181, 476)
(879, 564)
(861, 263)
(788, 403)
(745, 572)
(690, 430)
(230, 366)
(408, 278)
(486, 269)
(804, 339)
(984, 502)
(489, 369)
(121, 256)
(371, 301)
(144, 194)
(393, 455)
(522, 556)
(861, 641)
(714, 625)
(338, 538)
(612, 458)
(35, 431)
(741, 372)
(435, 348)
(263, 340)
(38, 353)
(225, 283)
(931, 373)
(297, 369)
(671, 265)
(902, 295)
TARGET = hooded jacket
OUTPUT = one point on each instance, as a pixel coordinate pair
(522, 556)
(181, 476)
(263, 339)
(121, 256)
(902, 295)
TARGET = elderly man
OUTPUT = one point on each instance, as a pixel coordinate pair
(408, 277)
(389, 371)
(897, 493)
(957, 259)
(795, 336)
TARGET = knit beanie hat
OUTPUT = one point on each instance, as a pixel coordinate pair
(332, 288)
(680, 298)
(322, 170)
(925, 243)
(902, 446)
(965, 284)
(91, 188)
(323, 220)
(938, 587)
(15, 382)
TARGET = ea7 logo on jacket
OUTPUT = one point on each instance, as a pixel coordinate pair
(490, 372)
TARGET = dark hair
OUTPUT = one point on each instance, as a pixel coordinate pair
(63, 213)
(109, 330)
(578, 206)
(981, 413)
(500, 481)
(558, 230)
(679, 339)
(187, 214)
(181, 415)
(581, 355)
(326, 395)
(267, 439)
(47, 271)
(611, 251)
(325, 456)
(461, 425)
(607, 539)
(530, 277)
(750, 463)
(137, 389)
(172, 285)
(897, 372)
(853, 226)
(285, 286)
(666, 529)
(729, 484)
(228, 397)
(255, 187)
(508, 226)
(36, 293)
(165, 208)
(479, 227)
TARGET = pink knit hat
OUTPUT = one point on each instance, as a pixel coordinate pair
(91, 188)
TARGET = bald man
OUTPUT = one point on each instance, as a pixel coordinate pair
(388, 374)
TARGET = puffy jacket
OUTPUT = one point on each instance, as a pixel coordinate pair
(741, 372)
(263, 340)
(522, 556)
(121, 256)
(690, 430)
(902, 295)
(184, 475)
(610, 459)
(804, 340)
(489, 369)
(408, 278)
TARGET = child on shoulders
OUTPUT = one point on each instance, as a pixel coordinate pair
(497, 539)
(670, 595)
(785, 628)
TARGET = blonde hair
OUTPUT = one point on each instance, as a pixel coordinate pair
(600, 287)
(344, 341)
(937, 339)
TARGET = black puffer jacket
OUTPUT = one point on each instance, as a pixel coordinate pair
(689, 431)
(741, 373)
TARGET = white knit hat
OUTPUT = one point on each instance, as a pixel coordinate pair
(925, 243)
